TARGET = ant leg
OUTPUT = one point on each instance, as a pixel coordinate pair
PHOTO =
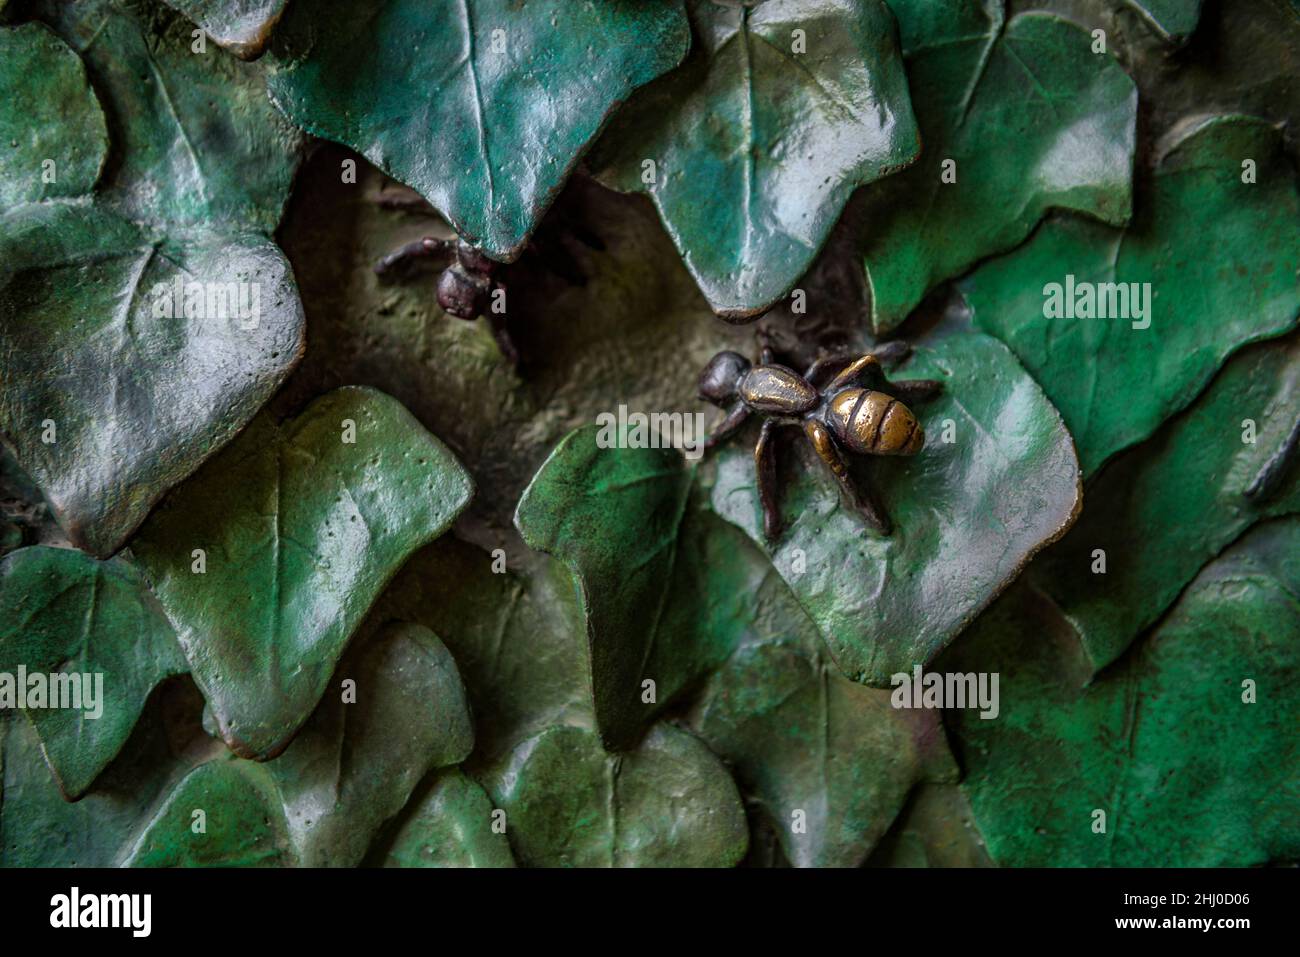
(728, 426)
(765, 470)
(865, 367)
(500, 331)
(824, 365)
(889, 353)
(892, 352)
(427, 248)
(824, 446)
(404, 198)
(497, 323)
(1270, 477)
(910, 391)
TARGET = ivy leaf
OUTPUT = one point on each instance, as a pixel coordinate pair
(663, 600)
(320, 803)
(241, 825)
(668, 803)
(1200, 308)
(105, 403)
(196, 144)
(1167, 742)
(241, 26)
(51, 116)
(780, 112)
(818, 750)
(301, 527)
(1159, 511)
(450, 827)
(62, 612)
(968, 514)
(1033, 120)
(482, 106)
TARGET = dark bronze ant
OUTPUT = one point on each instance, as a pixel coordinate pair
(471, 286)
(842, 416)
(467, 288)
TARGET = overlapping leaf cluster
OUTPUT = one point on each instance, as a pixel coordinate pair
(607, 664)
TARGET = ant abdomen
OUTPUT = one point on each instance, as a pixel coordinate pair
(872, 423)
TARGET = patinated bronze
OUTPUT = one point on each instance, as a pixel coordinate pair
(858, 411)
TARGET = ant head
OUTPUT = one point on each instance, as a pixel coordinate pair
(721, 377)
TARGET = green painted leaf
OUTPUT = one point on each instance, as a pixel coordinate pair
(62, 612)
(242, 826)
(1164, 742)
(758, 147)
(451, 827)
(1114, 380)
(967, 514)
(320, 803)
(663, 599)
(196, 144)
(1237, 60)
(1163, 509)
(814, 747)
(301, 531)
(241, 26)
(483, 106)
(1032, 118)
(50, 113)
(107, 405)
(669, 803)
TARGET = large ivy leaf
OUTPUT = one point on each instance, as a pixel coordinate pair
(196, 144)
(780, 112)
(107, 404)
(320, 803)
(1033, 120)
(301, 528)
(1114, 379)
(663, 597)
(62, 612)
(1167, 743)
(450, 827)
(968, 513)
(1237, 60)
(51, 115)
(669, 803)
(830, 762)
(1162, 510)
(241, 26)
(483, 106)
